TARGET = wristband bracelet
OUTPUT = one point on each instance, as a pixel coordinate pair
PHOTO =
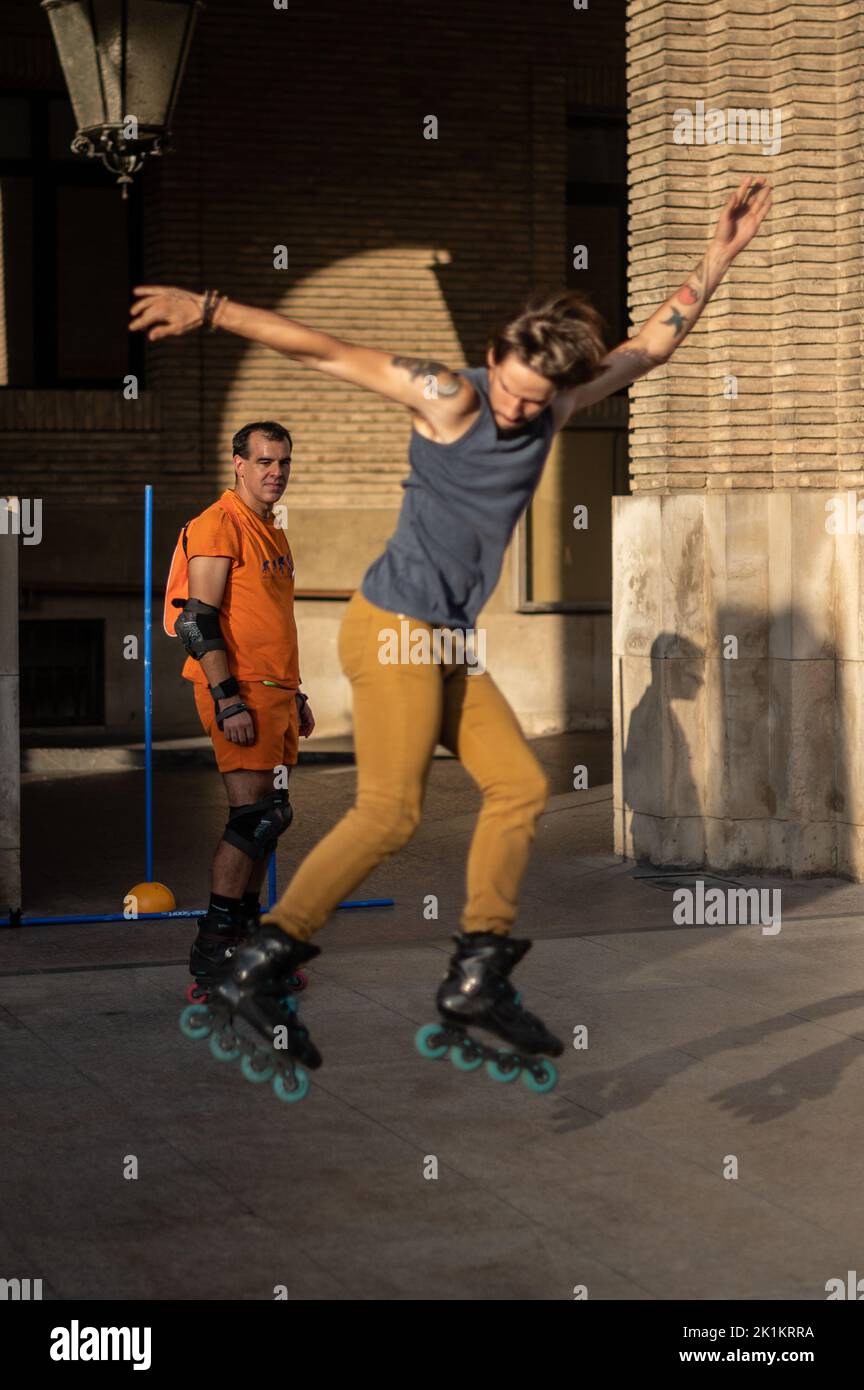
(239, 708)
(212, 300)
(227, 688)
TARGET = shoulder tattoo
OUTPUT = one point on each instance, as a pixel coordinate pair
(447, 383)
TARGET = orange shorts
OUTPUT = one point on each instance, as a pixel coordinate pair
(277, 728)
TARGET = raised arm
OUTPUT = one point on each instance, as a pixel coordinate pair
(667, 328)
(164, 311)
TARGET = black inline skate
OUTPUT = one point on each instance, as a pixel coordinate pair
(211, 955)
(257, 992)
(251, 924)
(214, 948)
(477, 992)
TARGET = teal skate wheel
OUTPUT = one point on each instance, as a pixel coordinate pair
(288, 1003)
(503, 1073)
(426, 1044)
(224, 1051)
(256, 1074)
(541, 1077)
(285, 1091)
(466, 1057)
(196, 1022)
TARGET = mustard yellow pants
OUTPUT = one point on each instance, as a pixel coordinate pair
(401, 711)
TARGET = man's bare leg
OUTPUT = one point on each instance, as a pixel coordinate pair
(234, 873)
(234, 909)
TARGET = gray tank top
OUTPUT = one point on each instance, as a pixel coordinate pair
(461, 505)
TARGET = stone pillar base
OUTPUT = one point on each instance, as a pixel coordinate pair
(738, 680)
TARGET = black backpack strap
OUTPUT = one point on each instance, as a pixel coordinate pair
(181, 602)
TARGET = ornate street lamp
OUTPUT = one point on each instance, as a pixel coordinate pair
(123, 61)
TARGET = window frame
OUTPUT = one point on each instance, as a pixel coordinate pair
(611, 415)
(618, 408)
(48, 176)
(93, 668)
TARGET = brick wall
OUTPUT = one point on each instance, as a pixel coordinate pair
(305, 128)
(786, 322)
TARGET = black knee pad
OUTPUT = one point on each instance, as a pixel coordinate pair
(254, 829)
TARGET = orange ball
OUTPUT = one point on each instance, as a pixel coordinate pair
(148, 897)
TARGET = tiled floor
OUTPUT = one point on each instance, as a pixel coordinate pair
(706, 1047)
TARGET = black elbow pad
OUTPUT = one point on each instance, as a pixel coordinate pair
(198, 628)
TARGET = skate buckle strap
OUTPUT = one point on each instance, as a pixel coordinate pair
(507, 951)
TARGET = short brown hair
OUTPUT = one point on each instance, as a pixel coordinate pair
(270, 429)
(560, 336)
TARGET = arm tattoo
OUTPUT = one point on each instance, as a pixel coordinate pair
(676, 321)
(691, 291)
(424, 366)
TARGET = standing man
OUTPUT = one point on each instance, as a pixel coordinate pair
(235, 574)
(479, 442)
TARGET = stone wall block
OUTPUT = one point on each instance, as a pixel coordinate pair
(682, 535)
(811, 591)
(746, 756)
(638, 587)
(780, 573)
(811, 741)
(848, 752)
(681, 683)
(643, 785)
(846, 597)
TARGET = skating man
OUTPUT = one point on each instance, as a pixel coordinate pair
(480, 439)
(230, 599)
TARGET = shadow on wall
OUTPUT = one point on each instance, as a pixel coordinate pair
(340, 172)
(743, 762)
(657, 749)
(433, 317)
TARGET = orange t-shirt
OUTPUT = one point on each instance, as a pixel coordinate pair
(257, 610)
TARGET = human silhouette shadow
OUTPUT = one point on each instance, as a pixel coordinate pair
(657, 776)
(760, 1099)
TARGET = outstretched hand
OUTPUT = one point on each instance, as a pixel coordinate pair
(162, 311)
(742, 216)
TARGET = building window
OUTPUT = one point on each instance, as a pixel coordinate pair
(562, 568)
(62, 672)
(69, 255)
(597, 210)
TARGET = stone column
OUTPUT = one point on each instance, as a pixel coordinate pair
(738, 619)
(10, 752)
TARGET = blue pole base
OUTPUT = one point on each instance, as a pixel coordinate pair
(152, 916)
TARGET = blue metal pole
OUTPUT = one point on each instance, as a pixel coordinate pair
(153, 916)
(148, 779)
(148, 683)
